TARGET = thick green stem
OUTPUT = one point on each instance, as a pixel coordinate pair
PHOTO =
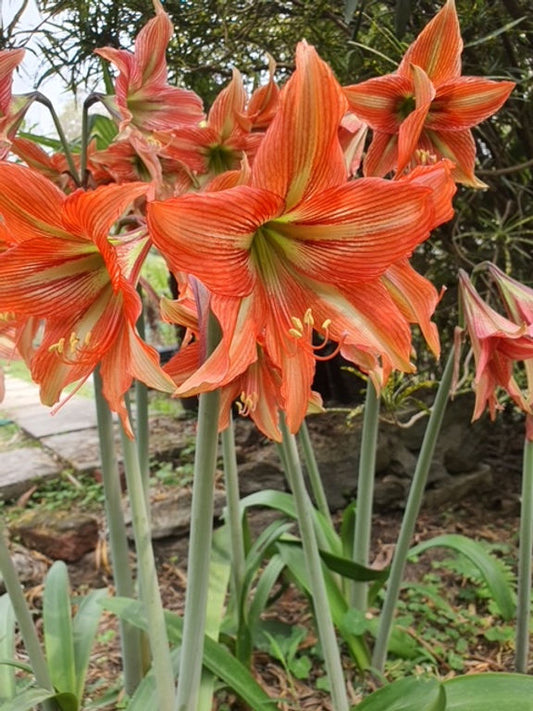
(45, 101)
(313, 472)
(365, 493)
(24, 619)
(412, 508)
(148, 582)
(523, 612)
(202, 509)
(326, 630)
(231, 477)
(130, 636)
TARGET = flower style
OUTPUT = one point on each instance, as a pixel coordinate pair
(426, 105)
(143, 97)
(498, 343)
(63, 266)
(299, 249)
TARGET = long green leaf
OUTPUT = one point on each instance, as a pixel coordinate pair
(7, 648)
(57, 624)
(293, 557)
(216, 657)
(407, 695)
(488, 567)
(284, 502)
(84, 627)
(219, 575)
(29, 698)
(489, 692)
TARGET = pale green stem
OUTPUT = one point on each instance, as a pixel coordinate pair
(326, 630)
(142, 422)
(122, 575)
(523, 611)
(231, 477)
(200, 543)
(45, 101)
(313, 473)
(24, 619)
(412, 508)
(148, 582)
(365, 494)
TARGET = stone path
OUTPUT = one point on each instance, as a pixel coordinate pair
(68, 437)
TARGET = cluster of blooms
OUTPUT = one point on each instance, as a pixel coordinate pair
(499, 342)
(259, 211)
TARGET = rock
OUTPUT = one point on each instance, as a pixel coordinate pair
(263, 473)
(60, 535)
(31, 566)
(456, 487)
(20, 468)
(170, 512)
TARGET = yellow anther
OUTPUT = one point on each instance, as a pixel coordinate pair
(73, 341)
(326, 324)
(308, 318)
(248, 403)
(294, 332)
(297, 323)
(87, 338)
(58, 347)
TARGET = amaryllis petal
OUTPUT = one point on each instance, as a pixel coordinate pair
(517, 297)
(355, 231)
(467, 101)
(215, 232)
(142, 95)
(437, 49)
(378, 101)
(227, 107)
(411, 128)
(416, 297)
(94, 213)
(460, 148)
(23, 218)
(438, 177)
(51, 274)
(304, 133)
(9, 61)
(382, 155)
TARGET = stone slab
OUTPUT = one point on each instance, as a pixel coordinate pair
(81, 449)
(73, 416)
(20, 468)
(22, 404)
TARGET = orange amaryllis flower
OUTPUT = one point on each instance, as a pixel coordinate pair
(299, 248)
(12, 108)
(143, 97)
(498, 343)
(63, 266)
(226, 136)
(426, 105)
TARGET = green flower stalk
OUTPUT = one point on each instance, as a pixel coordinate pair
(122, 574)
(412, 509)
(365, 493)
(304, 509)
(200, 543)
(523, 614)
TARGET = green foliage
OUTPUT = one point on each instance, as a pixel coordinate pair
(68, 642)
(476, 692)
